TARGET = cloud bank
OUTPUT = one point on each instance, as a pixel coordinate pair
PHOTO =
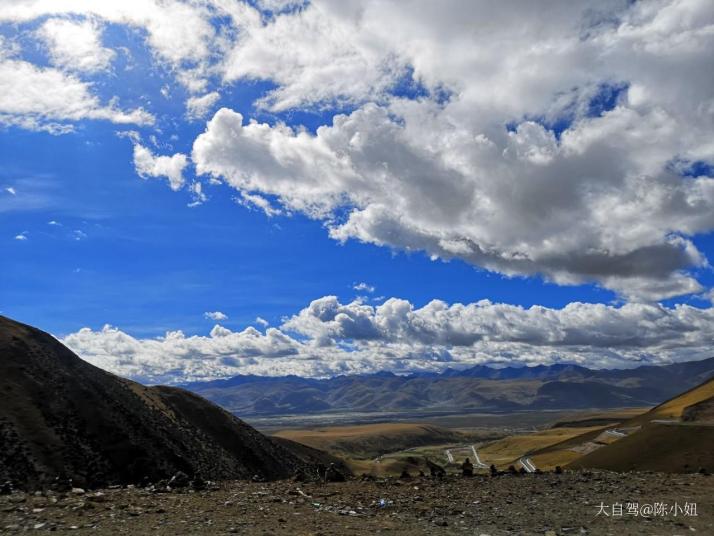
(329, 338)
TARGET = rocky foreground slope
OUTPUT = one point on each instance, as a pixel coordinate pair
(61, 417)
(547, 504)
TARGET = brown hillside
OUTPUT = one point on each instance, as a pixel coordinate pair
(659, 440)
(667, 448)
(62, 416)
(673, 408)
(700, 412)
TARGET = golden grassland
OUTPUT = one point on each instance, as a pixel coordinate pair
(371, 440)
(506, 451)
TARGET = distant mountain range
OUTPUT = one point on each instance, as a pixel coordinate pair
(62, 417)
(480, 388)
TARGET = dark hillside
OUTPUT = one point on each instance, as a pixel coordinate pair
(62, 416)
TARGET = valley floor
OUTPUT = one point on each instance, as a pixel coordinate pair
(545, 504)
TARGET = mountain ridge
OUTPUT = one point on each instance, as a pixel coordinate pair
(559, 386)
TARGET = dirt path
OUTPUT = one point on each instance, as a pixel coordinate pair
(531, 504)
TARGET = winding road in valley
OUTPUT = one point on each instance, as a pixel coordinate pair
(477, 460)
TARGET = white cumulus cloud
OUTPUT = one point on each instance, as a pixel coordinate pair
(75, 45)
(364, 287)
(48, 99)
(544, 141)
(148, 164)
(198, 107)
(215, 315)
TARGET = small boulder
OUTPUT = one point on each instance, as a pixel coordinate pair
(332, 474)
(436, 470)
(179, 480)
(300, 476)
(198, 483)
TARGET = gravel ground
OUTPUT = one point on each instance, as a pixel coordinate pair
(546, 504)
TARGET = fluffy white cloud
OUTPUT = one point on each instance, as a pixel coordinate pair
(186, 37)
(149, 165)
(364, 287)
(314, 58)
(181, 34)
(331, 338)
(576, 220)
(75, 45)
(595, 326)
(176, 357)
(198, 107)
(215, 315)
(48, 99)
(475, 169)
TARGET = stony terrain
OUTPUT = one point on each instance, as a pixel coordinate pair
(545, 504)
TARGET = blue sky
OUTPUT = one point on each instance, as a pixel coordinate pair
(460, 180)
